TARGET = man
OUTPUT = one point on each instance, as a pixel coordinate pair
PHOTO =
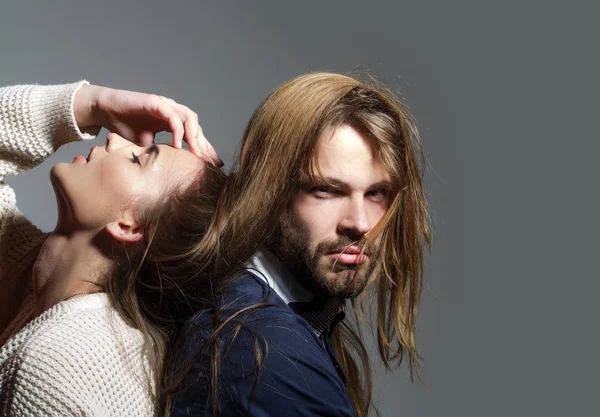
(328, 198)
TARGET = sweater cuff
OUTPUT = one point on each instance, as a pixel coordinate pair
(52, 114)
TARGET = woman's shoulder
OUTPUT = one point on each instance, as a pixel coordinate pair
(80, 345)
(83, 328)
(86, 326)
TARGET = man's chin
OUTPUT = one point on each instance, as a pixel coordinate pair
(342, 282)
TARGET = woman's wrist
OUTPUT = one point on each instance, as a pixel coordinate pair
(84, 106)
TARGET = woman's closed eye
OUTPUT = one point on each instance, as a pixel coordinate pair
(136, 159)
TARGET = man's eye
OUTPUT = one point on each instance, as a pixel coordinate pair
(378, 195)
(323, 191)
(136, 159)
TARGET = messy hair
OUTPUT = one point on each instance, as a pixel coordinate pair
(278, 150)
(149, 289)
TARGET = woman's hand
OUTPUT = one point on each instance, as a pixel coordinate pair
(138, 117)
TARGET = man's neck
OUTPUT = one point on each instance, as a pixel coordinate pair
(68, 265)
(288, 286)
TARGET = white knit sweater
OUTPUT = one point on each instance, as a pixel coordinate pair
(78, 358)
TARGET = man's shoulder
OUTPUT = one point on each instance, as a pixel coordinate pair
(271, 360)
(249, 286)
(250, 297)
(251, 314)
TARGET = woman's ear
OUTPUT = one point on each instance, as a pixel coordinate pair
(126, 230)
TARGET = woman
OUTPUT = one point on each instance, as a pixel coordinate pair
(84, 314)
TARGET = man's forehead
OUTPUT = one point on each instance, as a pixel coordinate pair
(343, 139)
(342, 144)
(344, 154)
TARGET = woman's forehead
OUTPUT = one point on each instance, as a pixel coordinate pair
(175, 161)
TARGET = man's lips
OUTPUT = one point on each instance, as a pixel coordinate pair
(349, 255)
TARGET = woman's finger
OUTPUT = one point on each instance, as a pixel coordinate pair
(146, 138)
(190, 123)
(208, 150)
(193, 134)
(161, 108)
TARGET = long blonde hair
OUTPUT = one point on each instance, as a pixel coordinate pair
(278, 150)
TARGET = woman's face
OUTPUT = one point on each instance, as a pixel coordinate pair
(106, 186)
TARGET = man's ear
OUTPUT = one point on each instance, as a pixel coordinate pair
(126, 230)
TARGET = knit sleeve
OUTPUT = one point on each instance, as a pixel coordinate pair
(34, 121)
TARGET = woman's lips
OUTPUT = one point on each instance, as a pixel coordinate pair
(90, 154)
(80, 158)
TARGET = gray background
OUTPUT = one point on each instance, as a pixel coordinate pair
(506, 96)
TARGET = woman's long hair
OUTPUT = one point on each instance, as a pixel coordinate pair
(278, 152)
(152, 288)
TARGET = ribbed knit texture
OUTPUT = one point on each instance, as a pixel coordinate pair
(34, 122)
(78, 358)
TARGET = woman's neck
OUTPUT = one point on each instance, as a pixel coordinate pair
(68, 265)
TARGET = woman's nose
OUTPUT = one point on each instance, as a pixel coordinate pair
(114, 141)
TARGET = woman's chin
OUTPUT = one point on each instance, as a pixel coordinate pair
(58, 171)
(57, 175)
(65, 179)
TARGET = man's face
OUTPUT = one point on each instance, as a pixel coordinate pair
(321, 237)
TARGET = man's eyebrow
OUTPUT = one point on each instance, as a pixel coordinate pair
(335, 182)
(380, 185)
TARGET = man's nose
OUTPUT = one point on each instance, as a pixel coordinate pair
(355, 220)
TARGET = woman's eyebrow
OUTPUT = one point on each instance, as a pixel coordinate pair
(153, 150)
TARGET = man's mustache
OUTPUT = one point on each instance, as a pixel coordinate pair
(344, 245)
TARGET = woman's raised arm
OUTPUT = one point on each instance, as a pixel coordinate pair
(36, 120)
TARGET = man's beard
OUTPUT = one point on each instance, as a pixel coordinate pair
(291, 245)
